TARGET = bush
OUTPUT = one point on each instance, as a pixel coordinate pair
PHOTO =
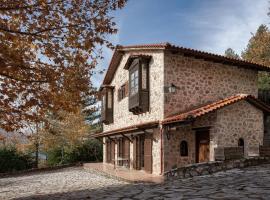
(12, 160)
(88, 151)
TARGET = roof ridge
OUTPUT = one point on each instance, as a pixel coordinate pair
(119, 51)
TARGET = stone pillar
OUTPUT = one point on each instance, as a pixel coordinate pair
(104, 150)
(131, 155)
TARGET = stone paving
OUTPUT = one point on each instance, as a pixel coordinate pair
(75, 183)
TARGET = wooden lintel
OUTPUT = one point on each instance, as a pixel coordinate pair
(201, 128)
(127, 138)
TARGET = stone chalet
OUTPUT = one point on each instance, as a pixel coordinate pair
(165, 106)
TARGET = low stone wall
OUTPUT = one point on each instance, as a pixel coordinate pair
(229, 153)
(199, 169)
(265, 151)
(36, 170)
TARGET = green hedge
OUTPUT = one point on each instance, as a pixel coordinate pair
(88, 151)
(12, 160)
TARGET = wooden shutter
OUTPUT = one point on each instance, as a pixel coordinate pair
(148, 154)
(126, 89)
(135, 152)
(108, 152)
(126, 150)
(107, 105)
(112, 152)
(119, 94)
(134, 98)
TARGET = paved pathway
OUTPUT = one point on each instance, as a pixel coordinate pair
(75, 183)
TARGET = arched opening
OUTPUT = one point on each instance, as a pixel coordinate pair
(184, 148)
(241, 143)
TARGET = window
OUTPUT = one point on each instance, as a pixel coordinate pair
(138, 84)
(134, 80)
(123, 92)
(144, 76)
(241, 142)
(184, 148)
(109, 99)
(107, 105)
(103, 102)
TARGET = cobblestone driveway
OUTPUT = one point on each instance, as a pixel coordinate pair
(75, 183)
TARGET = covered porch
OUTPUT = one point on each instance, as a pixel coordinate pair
(132, 148)
(130, 175)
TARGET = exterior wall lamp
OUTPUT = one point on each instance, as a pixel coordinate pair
(172, 88)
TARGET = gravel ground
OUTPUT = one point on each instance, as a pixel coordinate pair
(75, 183)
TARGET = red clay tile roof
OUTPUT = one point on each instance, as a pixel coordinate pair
(119, 51)
(136, 127)
(215, 106)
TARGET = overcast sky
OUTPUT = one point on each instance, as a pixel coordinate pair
(209, 25)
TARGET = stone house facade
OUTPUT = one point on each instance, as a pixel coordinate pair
(165, 106)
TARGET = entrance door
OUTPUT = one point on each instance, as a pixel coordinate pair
(202, 146)
(148, 153)
(142, 153)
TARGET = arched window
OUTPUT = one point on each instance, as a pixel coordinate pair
(241, 142)
(184, 148)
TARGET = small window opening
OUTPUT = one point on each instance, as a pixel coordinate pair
(184, 148)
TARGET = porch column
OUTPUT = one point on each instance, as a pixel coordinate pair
(104, 150)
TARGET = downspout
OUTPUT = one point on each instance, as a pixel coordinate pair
(161, 149)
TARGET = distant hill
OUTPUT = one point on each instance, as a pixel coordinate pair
(12, 138)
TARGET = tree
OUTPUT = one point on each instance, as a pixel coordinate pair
(258, 51)
(65, 131)
(43, 42)
(231, 53)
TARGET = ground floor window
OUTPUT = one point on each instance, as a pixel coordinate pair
(184, 148)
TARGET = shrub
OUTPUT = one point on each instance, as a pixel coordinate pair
(89, 151)
(12, 160)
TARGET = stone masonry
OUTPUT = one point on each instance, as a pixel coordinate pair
(228, 125)
(122, 116)
(199, 82)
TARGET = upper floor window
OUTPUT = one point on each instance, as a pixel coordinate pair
(123, 91)
(138, 67)
(134, 83)
(184, 148)
(107, 105)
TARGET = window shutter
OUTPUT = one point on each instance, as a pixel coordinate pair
(126, 89)
(107, 105)
(119, 94)
(138, 86)
(112, 152)
(148, 154)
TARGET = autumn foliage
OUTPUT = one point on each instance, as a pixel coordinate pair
(49, 49)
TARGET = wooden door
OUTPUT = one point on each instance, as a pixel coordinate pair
(135, 147)
(126, 151)
(108, 152)
(202, 146)
(148, 154)
(112, 151)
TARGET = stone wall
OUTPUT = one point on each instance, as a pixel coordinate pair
(200, 169)
(265, 151)
(156, 152)
(199, 82)
(239, 120)
(172, 157)
(122, 116)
